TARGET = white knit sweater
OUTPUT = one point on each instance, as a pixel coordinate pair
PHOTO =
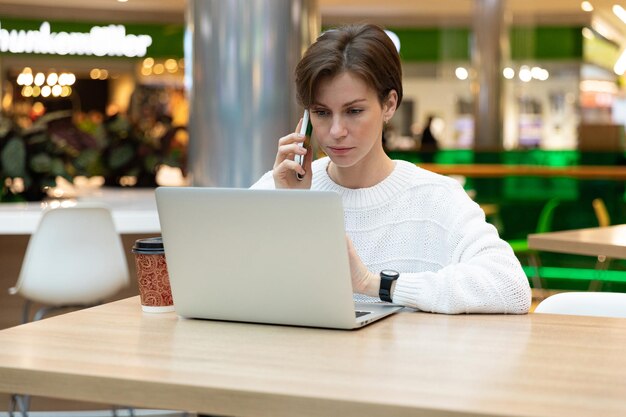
(426, 227)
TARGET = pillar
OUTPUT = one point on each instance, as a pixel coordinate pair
(240, 60)
(489, 41)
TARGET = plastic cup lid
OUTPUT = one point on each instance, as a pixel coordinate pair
(151, 244)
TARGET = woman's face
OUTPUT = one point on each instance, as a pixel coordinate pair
(348, 119)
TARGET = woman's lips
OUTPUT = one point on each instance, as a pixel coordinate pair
(339, 150)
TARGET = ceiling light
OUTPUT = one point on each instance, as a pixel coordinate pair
(508, 73)
(620, 65)
(21, 80)
(171, 65)
(158, 69)
(67, 78)
(40, 78)
(619, 12)
(539, 73)
(148, 62)
(53, 77)
(586, 6)
(588, 33)
(461, 73)
(605, 29)
(525, 74)
(27, 91)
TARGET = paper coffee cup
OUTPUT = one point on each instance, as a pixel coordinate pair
(152, 277)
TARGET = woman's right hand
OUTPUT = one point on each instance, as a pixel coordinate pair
(285, 168)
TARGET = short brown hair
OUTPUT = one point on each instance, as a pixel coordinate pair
(364, 50)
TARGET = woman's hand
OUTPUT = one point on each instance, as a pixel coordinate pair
(363, 281)
(285, 168)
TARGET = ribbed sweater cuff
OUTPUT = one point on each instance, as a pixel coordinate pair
(412, 290)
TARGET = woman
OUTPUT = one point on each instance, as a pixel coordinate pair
(428, 142)
(398, 217)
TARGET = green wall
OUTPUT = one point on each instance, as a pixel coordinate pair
(418, 44)
(450, 44)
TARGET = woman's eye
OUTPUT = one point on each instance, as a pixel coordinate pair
(355, 111)
(320, 113)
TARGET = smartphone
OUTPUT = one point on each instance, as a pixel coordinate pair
(306, 129)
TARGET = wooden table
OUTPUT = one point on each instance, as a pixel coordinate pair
(609, 241)
(409, 364)
(490, 209)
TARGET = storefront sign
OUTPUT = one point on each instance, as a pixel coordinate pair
(111, 40)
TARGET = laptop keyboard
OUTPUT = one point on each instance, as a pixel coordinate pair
(361, 313)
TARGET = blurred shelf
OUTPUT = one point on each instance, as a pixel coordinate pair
(501, 170)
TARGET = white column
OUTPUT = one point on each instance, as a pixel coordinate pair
(489, 40)
(240, 60)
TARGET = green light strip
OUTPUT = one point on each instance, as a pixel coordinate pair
(575, 273)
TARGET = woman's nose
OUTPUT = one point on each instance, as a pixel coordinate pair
(338, 128)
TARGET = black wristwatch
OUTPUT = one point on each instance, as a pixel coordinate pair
(387, 277)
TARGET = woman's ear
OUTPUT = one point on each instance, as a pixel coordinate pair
(390, 105)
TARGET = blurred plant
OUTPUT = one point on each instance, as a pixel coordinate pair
(31, 158)
(137, 151)
(60, 144)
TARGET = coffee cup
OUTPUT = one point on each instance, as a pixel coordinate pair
(152, 277)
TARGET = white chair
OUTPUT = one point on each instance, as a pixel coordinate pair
(74, 259)
(602, 304)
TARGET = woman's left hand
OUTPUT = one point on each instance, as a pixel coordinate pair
(363, 281)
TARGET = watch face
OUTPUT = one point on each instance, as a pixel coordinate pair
(390, 273)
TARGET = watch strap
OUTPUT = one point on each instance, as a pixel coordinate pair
(387, 277)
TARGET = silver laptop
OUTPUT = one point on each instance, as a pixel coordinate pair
(264, 256)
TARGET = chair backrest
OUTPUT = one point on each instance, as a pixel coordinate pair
(603, 304)
(74, 257)
(544, 224)
(602, 214)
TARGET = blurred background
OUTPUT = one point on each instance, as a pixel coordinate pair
(98, 93)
